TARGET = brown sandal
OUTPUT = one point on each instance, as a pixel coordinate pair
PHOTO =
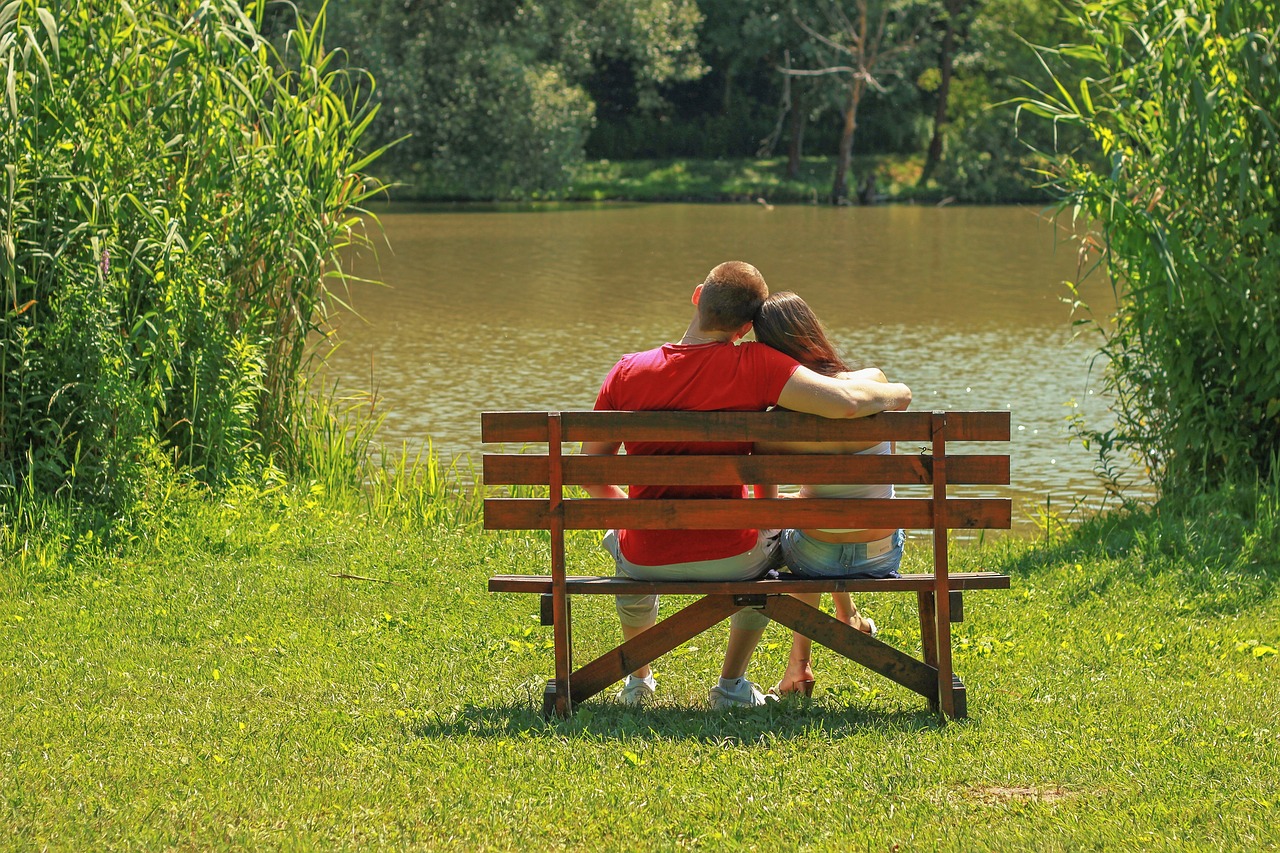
(803, 685)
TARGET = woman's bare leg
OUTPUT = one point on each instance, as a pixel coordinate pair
(799, 672)
(848, 613)
(844, 607)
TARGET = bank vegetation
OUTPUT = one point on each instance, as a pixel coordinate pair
(224, 625)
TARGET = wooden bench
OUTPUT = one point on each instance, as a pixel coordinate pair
(939, 594)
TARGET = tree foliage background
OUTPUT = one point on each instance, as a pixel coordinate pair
(505, 99)
(488, 97)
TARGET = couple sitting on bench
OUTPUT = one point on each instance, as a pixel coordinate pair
(793, 366)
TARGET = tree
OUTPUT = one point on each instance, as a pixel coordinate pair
(952, 19)
(858, 38)
(488, 95)
(984, 155)
(1182, 104)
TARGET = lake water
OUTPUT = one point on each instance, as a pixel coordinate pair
(494, 309)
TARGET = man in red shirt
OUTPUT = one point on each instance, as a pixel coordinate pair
(708, 371)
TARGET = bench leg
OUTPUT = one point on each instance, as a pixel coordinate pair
(562, 632)
(948, 695)
(929, 644)
(549, 699)
(958, 698)
(613, 666)
(928, 628)
(853, 644)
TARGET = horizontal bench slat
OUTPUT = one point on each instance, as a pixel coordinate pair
(593, 514)
(535, 469)
(606, 585)
(740, 426)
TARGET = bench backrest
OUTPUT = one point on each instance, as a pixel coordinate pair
(556, 470)
(937, 469)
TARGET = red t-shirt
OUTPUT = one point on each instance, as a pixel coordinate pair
(698, 378)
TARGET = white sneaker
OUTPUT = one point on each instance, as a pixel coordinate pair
(745, 695)
(637, 691)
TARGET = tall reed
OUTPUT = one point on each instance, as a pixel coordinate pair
(1182, 102)
(175, 197)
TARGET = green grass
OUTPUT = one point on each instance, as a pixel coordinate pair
(726, 180)
(735, 180)
(219, 681)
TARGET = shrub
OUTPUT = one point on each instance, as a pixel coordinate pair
(174, 197)
(1183, 101)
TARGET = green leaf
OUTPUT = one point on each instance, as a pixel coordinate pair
(8, 14)
(1087, 52)
(50, 28)
(11, 88)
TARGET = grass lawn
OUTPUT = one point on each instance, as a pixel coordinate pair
(218, 684)
(741, 180)
(697, 180)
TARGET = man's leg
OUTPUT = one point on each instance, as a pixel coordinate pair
(636, 613)
(746, 627)
(630, 632)
(742, 642)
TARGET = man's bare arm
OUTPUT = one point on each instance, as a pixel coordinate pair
(856, 397)
(602, 448)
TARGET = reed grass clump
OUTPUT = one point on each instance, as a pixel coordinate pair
(1183, 103)
(176, 190)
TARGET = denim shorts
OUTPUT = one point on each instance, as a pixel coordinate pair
(810, 558)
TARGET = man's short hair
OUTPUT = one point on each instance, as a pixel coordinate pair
(732, 293)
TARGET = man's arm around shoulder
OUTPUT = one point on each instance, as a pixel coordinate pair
(861, 394)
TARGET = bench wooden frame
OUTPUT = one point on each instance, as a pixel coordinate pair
(939, 595)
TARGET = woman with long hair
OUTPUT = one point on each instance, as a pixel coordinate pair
(786, 323)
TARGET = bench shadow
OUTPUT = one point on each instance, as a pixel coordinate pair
(791, 719)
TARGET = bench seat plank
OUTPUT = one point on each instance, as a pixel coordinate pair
(610, 585)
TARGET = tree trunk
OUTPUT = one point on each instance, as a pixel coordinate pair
(796, 143)
(840, 187)
(946, 61)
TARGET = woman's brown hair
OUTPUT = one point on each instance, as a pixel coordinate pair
(787, 323)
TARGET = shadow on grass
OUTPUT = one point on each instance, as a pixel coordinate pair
(596, 719)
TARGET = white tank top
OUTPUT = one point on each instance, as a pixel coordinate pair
(847, 490)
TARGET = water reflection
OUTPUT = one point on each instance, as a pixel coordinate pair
(515, 310)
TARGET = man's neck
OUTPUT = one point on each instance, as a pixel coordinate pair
(695, 335)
